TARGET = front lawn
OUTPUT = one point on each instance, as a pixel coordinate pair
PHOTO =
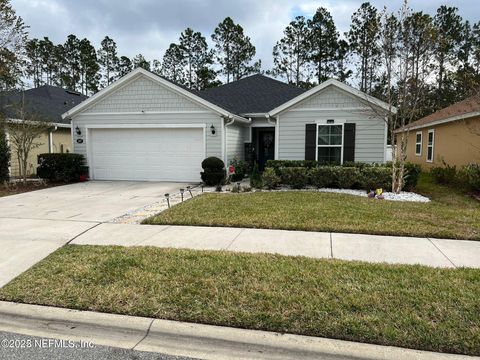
(401, 305)
(450, 214)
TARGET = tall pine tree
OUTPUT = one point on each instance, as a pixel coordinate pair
(363, 38)
(324, 45)
(291, 57)
(108, 60)
(234, 51)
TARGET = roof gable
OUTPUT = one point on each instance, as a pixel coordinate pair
(253, 94)
(142, 73)
(320, 90)
(143, 94)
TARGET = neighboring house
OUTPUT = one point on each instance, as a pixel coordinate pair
(144, 127)
(46, 103)
(449, 136)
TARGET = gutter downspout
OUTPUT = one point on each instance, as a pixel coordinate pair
(232, 120)
(50, 139)
(277, 134)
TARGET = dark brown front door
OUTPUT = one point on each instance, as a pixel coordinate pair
(265, 147)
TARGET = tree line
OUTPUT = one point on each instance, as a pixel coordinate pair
(445, 47)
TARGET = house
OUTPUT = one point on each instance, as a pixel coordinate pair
(45, 103)
(448, 136)
(144, 127)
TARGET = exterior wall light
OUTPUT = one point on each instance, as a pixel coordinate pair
(212, 129)
(78, 131)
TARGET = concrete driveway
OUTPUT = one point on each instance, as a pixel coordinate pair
(34, 224)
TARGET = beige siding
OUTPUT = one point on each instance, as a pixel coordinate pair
(332, 103)
(456, 143)
(144, 94)
(61, 136)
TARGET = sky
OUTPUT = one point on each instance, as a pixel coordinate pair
(149, 26)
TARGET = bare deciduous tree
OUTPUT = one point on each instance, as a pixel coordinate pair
(25, 135)
(406, 70)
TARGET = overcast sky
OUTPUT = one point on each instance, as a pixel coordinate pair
(149, 26)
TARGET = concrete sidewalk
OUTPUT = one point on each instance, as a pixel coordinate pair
(189, 339)
(372, 248)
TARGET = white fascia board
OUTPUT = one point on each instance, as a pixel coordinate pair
(142, 72)
(337, 84)
(439, 122)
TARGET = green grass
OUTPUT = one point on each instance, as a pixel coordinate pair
(450, 214)
(401, 305)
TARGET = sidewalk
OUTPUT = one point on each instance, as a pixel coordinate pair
(189, 339)
(372, 248)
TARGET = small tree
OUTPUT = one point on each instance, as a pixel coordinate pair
(4, 153)
(404, 78)
(24, 135)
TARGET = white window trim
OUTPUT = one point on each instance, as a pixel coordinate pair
(421, 143)
(431, 131)
(340, 146)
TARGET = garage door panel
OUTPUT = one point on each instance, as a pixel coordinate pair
(147, 154)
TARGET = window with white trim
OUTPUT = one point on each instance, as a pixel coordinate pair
(330, 143)
(418, 143)
(430, 145)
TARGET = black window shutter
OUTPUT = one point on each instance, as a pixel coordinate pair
(310, 141)
(349, 142)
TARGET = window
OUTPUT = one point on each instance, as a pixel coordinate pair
(430, 145)
(330, 144)
(418, 143)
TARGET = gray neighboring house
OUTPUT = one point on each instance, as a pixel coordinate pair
(144, 127)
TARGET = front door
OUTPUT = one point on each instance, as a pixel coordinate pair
(265, 147)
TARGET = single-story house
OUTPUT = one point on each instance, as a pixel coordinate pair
(45, 103)
(145, 127)
(448, 136)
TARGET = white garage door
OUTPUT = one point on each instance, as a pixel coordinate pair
(147, 154)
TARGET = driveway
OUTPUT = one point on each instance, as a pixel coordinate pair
(34, 224)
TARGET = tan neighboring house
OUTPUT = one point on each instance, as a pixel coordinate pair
(48, 103)
(449, 136)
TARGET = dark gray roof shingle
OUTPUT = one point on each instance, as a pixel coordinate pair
(253, 94)
(47, 102)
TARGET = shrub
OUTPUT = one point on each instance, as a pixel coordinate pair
(375, 177)
(323, 176)
(255, 178)
(470, 174)
(270, 179)
(277, 164)
(412, 173)
(213, 171)
(347, 177)
(240, 169)
(66, 167)
(446, 175)
(295, 177)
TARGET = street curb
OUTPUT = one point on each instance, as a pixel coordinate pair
(189, 339)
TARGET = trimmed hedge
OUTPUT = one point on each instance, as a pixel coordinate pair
(277, 164)
(213, 173)
(270, 179)
(296, 177)
(348, 175)
(65, 167)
